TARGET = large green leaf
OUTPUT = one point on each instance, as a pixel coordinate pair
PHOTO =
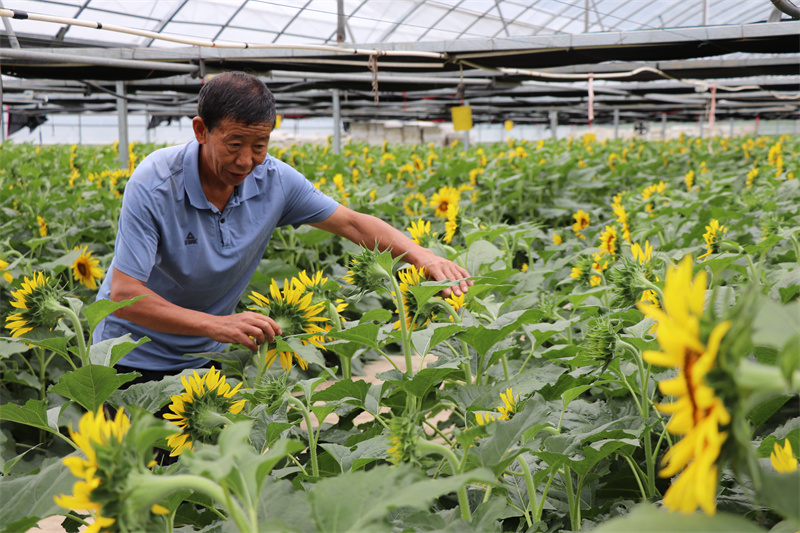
(49, 340)
(90, 385)
(424, 380)
(646, 517)
(110, 351)
(33, 413)
(32, 496)
(360, 501)
(781, 493)
(482, 338)
(100, 309)
(426, 338)
(360, 455)
(345, 389)
(364, 334)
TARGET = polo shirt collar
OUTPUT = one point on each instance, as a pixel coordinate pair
(194, 189)
(191, 177)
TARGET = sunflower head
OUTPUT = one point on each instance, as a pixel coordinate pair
(600, 340)
(85, 269)
(38, 302)
(201, 411)
(293, 309)
(414, 204)
(421, 234)
(443, 198)
(403, 435)
(452, 224)
(582, 271)
(410, 277)
(630, 278)
(367, 270)
(712, 237)
(582, 221)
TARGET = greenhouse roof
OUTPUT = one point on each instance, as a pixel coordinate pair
(383, 54)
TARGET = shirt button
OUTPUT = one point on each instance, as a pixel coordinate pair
(222, 220)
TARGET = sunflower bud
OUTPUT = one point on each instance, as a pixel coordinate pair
(367, 270)
(403, 435)
(630, 279)
(600, 340)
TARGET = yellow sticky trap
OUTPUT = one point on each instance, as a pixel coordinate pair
(277, 121)
(508, 124)
(462, 117)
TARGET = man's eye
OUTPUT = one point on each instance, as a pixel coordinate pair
(234, 146)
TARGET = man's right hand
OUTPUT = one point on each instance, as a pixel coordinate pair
(248, 329)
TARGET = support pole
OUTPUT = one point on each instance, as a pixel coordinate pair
(700, 124)
(663, 125)
(80, 130)
(794, 130)
(705, 12)
(585, 16)
(337, 121)
(3, 116)
(122, 124)
(553, 123)
(616, 123)
(340, 21)
(731, 121)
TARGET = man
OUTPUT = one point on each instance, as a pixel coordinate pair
(196, 220)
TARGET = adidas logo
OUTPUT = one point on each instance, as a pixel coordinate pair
(190, 239)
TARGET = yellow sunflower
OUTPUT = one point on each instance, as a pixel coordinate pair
(85, 269)
(697, 413)
(6, 275)
(442, 199)
(712, 237)
(506, 410)
(451, 226)
(557, 239)
(204, 395)
(420, 231)
(410, 277)
(582, 221)
(608, 241)
(38, 304)
(94, 431)
(295, 313)
(782, 458)
(42, 226)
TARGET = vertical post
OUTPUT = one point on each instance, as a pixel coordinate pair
(340, 20)
(731, 133)
(80, 130)
(663, 125)
(337, 119)
(616, 123)
(122, 124)
(777, 126)
(147, 128)
(705, 12)
(794, 130)
(3, 116)
(700, 124)
(585, 16)
(553, 123)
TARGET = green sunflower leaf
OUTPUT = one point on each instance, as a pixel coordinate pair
(646, 517)
(90, 385)
(33, 413)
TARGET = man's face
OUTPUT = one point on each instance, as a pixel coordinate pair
(232, 150)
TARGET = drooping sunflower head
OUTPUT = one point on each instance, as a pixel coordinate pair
(452, 224)
(42, 226)
(200, 411)
(443, 198)
(38, 304)
(365, 271)
(85, 269)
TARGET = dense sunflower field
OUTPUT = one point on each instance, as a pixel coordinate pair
(628, 358)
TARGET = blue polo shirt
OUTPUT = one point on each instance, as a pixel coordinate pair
(187, 251)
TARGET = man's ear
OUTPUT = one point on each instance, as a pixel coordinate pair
(200, 131)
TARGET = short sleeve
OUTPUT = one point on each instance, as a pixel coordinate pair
(305, 204)
(137, 234)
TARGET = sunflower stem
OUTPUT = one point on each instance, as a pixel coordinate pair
(76, 324)
(531, 488)
(425, 447)
(404, 333)
(636, 475)
(312, 442)
(346, 362)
